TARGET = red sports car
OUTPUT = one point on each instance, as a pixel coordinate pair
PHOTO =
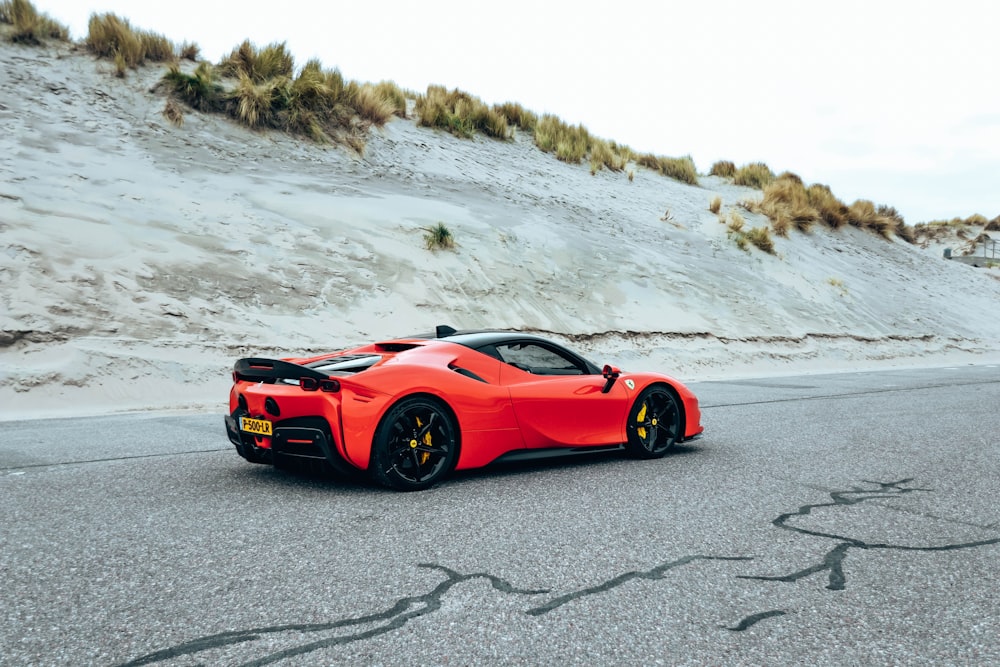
(409, 411)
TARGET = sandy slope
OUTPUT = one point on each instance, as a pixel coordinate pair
(139, 259)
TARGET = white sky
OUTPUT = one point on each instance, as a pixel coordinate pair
(893, 101)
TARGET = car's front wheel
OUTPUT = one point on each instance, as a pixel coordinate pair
(654, 423)
(415, 445)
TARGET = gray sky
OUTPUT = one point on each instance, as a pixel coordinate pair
(897, 102)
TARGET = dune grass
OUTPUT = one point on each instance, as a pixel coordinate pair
(607, 154)
(517, 115)
(788, 202)
(173, 112)
(29, 25)
(438, 237)
(761, 238)
(112, 37)
(258, 64)
(200, 90)
(678, 168)
(723, 168)
(189, 51)
(569, 143)
(259, 88)
(754, 175)
(735, 221)
(831, 211)
(715, 205)
(459, 113)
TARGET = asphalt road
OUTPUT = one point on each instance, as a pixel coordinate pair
(824, 519)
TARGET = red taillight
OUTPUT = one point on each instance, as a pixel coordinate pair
(312, 384)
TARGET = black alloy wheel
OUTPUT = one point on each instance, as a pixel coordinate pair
(416, 445)
(654, 423)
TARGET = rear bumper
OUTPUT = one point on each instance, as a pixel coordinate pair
(303, 439)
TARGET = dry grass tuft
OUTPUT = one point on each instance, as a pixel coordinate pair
(460, 113)
(789, 176)
(906, 233)
(198, 90)
(255, 102)
(439, 237)
(781, 225)
(376, 105)
(723, 168)
(356, 143)
(260, 92)
(831, 210)
(156, 47)
(861, 214)
(189, 51)
(756, 236)
(761, 237)
(786, 202)
(570, 143)
(735, 222)
(678, 168)
(715, 205)
(883, 220)
(29, 25)
(259, 65)
(393, 93)
(993, 225)
(517, 115)
(172, 112)
(889, 221)
(607, 154)
(755, 175)
(114, 38)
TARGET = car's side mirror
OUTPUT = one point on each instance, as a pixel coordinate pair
(610, 374)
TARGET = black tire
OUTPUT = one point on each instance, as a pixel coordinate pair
(654, 423)
(415, 445)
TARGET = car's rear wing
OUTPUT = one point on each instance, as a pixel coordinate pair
(253, 369)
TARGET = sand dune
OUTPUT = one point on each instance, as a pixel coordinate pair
(140, 259)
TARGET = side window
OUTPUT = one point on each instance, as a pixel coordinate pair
(538, 359)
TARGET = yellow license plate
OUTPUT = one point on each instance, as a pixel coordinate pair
(255, 426)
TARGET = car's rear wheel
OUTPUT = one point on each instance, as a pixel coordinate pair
(415, 445)
(654, 423)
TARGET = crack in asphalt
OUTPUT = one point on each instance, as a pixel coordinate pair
(408, 608)
(404, 610)
(753, 619)
(833, 561)
(399, 614)
(657, 572)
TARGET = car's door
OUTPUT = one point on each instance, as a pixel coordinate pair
(558, 401)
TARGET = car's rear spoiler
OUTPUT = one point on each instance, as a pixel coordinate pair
(253, 369)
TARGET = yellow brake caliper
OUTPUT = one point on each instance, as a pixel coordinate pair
(427, 441)
(641, 417)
